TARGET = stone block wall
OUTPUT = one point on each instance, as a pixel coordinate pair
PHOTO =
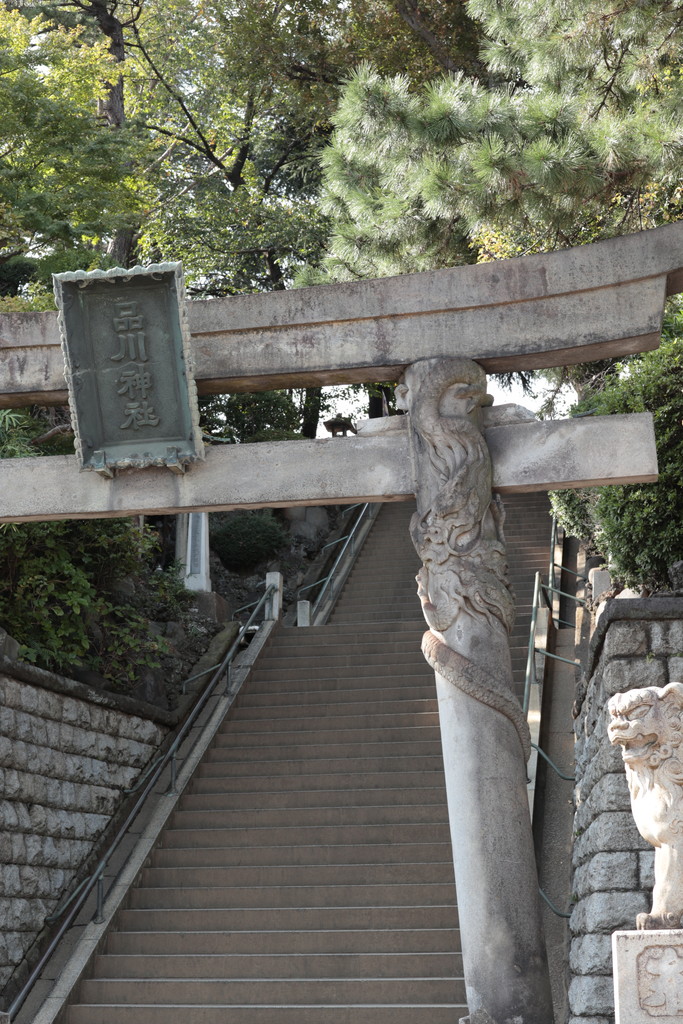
(66, 755)
(637, 642)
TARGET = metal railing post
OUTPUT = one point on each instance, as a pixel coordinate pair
(530, 677)
(99, 912)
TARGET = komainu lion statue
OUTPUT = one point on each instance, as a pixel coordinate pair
(648, 724)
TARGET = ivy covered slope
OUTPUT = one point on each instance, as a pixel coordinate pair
(638, 528)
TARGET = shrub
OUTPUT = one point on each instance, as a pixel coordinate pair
(244, 539)
(639, 527)
(57, 596)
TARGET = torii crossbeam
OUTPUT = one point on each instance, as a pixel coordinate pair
(437, 333)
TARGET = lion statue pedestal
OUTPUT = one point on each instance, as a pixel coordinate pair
(648, 963)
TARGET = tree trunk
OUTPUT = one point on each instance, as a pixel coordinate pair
(121, 246)
(311, 411)
(378, 401)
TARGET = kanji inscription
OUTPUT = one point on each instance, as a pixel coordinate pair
(127, 354)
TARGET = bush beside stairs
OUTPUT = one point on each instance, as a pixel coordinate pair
(306, 877)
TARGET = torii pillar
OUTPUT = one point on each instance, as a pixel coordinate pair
(540, 311)
(467, 603)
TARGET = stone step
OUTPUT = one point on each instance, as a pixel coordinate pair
(277, 897)
(278, 817)
(325, 751)
(306, 648)
(289, 918)
(269, 727)
(198, 854)
(379, 615)
(299, 874)
(309, 639)
(278, 733)
(327, 675)
(339, 654)
(427, 1013)
(294, 835)
(366, 942)
(410, 654)
(217, 992)
(331, 629)
(281, 966)
(303, 767)
(281, 786)
(257, 709)
(310, 642)
(317, 798)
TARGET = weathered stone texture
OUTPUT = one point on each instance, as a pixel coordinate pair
(613, 865)
(607, 871)
(64, 763)
(590, 994)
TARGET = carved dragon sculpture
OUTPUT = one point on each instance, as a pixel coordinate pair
(458, 527)
(648, 724)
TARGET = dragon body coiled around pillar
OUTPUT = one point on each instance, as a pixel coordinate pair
(458, 529)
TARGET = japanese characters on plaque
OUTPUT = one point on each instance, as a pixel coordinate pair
(127, 357)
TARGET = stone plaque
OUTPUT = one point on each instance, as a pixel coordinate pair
(128, 368)
(648, 976)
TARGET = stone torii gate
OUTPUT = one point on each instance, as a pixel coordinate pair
(437, 333)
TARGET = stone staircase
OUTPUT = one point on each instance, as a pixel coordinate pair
(306, 877)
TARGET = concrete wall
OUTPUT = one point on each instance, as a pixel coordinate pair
(636, 643)
(66, 754)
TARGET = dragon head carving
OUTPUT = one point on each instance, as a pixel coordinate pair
(648, 725)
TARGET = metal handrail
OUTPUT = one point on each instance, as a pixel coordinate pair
(553, 543)
(531, 648)
(543, 591)
(558, 771)
(350, 541)
(556, 657)
(572, 572)
(77, 899)
(563, 593)
(558, 913)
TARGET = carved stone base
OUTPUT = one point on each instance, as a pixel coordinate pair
(648, 977)
(480, 1017)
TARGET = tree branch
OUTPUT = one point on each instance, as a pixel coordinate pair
(409, 11)
(234, 175)
(206, 148)
(64, 428)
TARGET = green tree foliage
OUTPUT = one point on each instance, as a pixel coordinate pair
(578, 135)
(243, 540)
(58, 596)
(262, 416)
(62, 175)
(639, 528)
